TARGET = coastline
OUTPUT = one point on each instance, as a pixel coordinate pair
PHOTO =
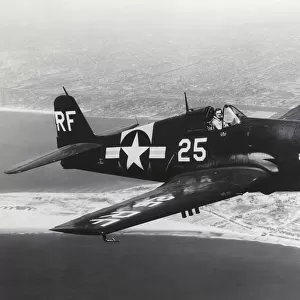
(163, 229)
(25, 110)
(34, 213)
(51, 112)
(263, 113)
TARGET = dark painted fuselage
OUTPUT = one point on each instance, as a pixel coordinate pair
(160, 150)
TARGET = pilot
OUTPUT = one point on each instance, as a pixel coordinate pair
(217, 121)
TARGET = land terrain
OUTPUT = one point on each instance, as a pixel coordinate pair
(131, 73)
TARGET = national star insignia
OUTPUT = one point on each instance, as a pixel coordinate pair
(134, 153)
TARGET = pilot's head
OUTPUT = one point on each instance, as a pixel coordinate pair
(218, 113)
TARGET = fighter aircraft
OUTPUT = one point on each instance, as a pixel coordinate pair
(197, 163)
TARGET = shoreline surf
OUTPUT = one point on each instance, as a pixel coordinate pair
(260, 112)
(25, 213)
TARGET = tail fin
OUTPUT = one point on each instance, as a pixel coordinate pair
(71, 125)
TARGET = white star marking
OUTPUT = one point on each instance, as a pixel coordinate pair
(134, 153)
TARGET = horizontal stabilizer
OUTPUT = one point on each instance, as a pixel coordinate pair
(52, 156)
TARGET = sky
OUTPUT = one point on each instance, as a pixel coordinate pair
(45, 13)
(49, 21)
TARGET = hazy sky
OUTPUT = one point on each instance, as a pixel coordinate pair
(136, 12)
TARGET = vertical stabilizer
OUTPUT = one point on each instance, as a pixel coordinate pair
(71, 125)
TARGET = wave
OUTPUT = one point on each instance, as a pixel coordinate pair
(26, 110)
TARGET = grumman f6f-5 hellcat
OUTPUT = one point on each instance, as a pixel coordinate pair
(202, 156)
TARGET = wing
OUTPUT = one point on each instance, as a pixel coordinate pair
(293, 114)
(183, 192)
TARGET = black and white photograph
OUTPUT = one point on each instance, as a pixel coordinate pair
(149, 149)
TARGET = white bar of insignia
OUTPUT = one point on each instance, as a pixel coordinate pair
(157, 152)
(202, 140)
(113, 152)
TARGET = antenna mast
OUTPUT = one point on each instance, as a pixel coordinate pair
(65, 91)
(186, 103)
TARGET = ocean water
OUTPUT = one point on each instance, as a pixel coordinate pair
(57, 266)
(26, 135)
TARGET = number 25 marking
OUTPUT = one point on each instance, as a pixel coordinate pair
(199, 151)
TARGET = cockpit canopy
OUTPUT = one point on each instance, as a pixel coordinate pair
(229, 116)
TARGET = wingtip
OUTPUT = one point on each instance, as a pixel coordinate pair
(13, 170)
(73, 230)
(55, 229)
(61, 228)
(66, 229)
(10, 171)
(16, 169)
